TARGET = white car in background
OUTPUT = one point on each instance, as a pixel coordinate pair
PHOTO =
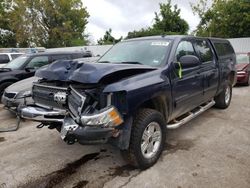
(7, 57)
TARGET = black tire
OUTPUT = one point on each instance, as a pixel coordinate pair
(143, 119)
(3, 86)
(221, 101)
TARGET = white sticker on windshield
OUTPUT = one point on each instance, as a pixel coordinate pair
(160, 43)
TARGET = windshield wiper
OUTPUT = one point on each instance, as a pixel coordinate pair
(131, 62)
(122, 62)
(103, 62)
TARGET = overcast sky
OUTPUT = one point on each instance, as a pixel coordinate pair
(123, 16)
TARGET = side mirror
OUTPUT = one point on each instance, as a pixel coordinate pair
(29, 69)
(188, 61)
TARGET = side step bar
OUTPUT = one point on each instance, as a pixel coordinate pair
(190, 115)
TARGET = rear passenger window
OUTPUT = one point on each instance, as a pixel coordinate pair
(4, 59)
(223, 49)
(204, 51)
(184, 48)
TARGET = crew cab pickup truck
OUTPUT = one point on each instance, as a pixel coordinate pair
(134, 93)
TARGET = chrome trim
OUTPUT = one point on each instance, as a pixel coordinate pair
(151, 140)
(191, 116)
(52, 87)
(38, 114)
(109, 99)
(68, 125)
(83, 98)
(241, 72)
(75, 91)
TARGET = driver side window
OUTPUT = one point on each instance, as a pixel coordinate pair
(38, 62)
(184, 48)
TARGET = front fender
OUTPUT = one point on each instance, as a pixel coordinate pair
(141, 88)
(135, 92)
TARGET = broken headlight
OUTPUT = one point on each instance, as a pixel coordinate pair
(108, 117)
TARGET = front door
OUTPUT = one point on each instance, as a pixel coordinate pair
(187, 87)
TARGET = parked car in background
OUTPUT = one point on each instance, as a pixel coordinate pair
(136, 91)
(15, 94)
(7, 57)
(26, 65)
(243, 68)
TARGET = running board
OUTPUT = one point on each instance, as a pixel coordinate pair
(190, 115)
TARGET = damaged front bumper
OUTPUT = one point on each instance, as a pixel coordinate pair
(87, 129)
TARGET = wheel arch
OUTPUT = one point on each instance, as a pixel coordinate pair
(158, 103)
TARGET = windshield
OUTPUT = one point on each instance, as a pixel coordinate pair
(146, 52)
(242, 58)
(16, 63)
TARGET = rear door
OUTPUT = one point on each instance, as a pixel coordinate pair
(209, 68)
(187, 89)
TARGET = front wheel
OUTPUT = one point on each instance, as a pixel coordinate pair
(147, 139)
(223, 100)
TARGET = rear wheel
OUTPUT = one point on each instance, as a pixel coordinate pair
(147, 139)
(223, 100)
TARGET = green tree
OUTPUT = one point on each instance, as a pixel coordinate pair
(169, 20)
(148, 32)
(108, 38)
(49, 23)
(7, 36)
(225, 18)
(166, 22)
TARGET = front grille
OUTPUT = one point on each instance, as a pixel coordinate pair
(44, 95)
(10, 95)
(75, 101)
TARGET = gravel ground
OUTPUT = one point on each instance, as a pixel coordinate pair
(212, 150)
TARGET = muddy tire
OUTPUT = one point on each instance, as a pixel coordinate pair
(147, 140)
(223, 100)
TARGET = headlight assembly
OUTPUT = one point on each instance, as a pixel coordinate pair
(108, 117)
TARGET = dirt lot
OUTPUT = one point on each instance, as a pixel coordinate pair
(213, 150)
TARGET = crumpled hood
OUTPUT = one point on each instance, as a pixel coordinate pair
(241, 66)
(88, 72)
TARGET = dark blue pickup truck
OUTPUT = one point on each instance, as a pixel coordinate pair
(134, 93)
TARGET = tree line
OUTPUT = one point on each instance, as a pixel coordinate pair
(62, 23)
(48, 23)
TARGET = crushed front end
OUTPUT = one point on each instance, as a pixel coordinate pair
(80, 112)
